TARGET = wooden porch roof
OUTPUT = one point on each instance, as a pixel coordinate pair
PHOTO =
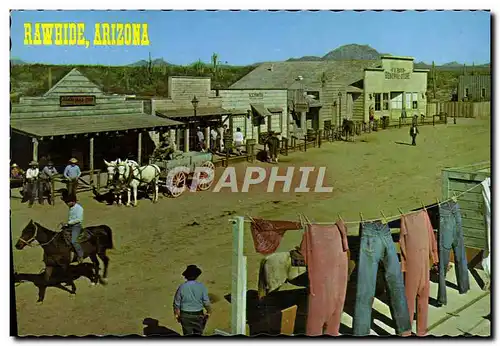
(73, 125)
(189, 112)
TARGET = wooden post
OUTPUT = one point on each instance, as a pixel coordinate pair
(239, 279)
(178, 139)
(286, 146)
(98, 186)
(53, 190)
(305, 142)
(35, 149)
(91, 160)
(186, 139)
(139, 148)
(207, 137)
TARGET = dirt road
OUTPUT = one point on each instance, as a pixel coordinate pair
(155, 242)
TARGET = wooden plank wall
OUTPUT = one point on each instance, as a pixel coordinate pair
(49, 108)
(460, 109)
(471, 203)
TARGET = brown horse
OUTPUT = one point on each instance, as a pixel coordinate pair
(57, 249)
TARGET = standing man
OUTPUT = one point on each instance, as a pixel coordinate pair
(273, 144)
(201, 139)
(403, 115)
(238, 140)
(72, 173)
(221, 137)
(413, 133)
(46, 176)
(372, 118)
(75, 220)
(32, 182)
(213, 139)
(190, 299)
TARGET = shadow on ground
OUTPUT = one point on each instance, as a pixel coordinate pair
(153, 328)
(58, 278)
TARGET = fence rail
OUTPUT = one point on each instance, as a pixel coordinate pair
(460, 109)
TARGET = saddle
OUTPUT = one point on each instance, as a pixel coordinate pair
(83, 237)
(297, 258)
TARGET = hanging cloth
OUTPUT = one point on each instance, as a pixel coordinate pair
(267, 234)
(487, 214)
(325, 252)
(418, 245)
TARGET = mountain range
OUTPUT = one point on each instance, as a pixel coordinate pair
(345, 52)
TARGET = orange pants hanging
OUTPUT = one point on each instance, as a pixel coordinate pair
(325, 251)
(418, 244)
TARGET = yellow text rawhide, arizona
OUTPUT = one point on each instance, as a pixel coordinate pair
(73, 34)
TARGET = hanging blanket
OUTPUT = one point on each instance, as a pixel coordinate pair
(267, 234)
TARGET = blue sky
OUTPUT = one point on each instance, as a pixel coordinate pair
(240, 38)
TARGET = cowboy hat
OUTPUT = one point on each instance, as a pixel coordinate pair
(33, 163)
(73, 160)
(191, 271)
(14, 165)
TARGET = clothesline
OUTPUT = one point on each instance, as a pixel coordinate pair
(394, 217)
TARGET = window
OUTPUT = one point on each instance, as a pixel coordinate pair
(315, 94)
(396, 100)
(414, 101)
(386, 102)
(408, 100)
(377, 102)
(483, 93)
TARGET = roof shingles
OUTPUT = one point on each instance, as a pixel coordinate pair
(283, 75)
(72, 125)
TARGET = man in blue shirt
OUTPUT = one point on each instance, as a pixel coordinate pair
(75, 220)
(72, 173)
(190, 299)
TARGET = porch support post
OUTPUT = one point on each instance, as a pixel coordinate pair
(91, 160)
(139, 148)
(186, 139)
(35, 149)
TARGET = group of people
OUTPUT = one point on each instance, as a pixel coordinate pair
(217, 138)
(36, 183)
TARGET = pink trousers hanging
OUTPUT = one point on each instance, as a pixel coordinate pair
(325, 251)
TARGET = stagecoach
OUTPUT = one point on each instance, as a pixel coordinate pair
(181, 167)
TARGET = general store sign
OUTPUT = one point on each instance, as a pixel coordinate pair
(77, 100)
(397, 73)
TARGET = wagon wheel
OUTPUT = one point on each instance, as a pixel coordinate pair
(178, 183)
(206, 185)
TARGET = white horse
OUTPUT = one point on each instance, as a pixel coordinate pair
(112, 169)
(133, 176)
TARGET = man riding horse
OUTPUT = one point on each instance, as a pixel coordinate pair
(75, 220)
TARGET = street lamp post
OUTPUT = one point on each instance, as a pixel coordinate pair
(194, 102)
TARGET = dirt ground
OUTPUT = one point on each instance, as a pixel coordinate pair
(155, 242)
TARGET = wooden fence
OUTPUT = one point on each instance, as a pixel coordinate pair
(460, 109)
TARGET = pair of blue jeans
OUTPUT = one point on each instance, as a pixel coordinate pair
(451, 236)
(377, 245)
(75, 232)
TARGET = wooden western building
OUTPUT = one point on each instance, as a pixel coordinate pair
(393, 86)
(190, 101)
(474, 88)
(323, 93)
(257, 111)
(76, 119)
